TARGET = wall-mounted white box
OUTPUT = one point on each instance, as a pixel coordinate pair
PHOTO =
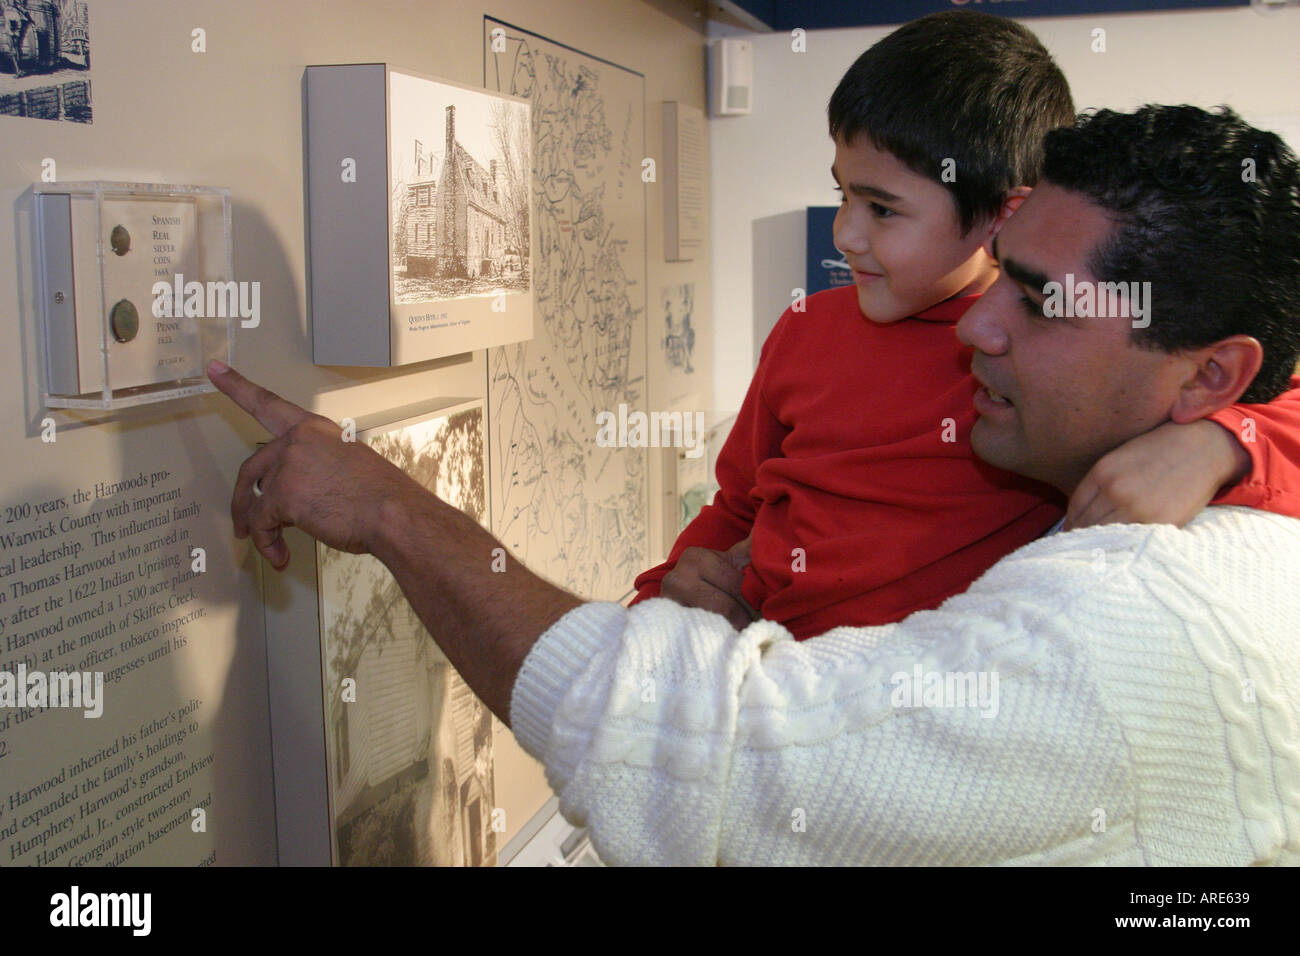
(420, 217)
(136, 290)
(731, 77)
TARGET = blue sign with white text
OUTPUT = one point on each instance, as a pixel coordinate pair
(826, 266)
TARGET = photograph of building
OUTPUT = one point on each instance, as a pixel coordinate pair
(410, 746)
(45, 59)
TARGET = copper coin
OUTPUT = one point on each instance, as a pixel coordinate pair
(125, 321)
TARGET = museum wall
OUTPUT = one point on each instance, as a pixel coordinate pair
(232, 116)
(1234, 56)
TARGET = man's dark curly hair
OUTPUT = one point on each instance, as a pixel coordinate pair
(972, 87)
(1208, 212)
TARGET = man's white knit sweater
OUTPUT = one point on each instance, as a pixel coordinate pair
(1146, 711)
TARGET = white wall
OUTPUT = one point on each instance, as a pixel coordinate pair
(777, 160)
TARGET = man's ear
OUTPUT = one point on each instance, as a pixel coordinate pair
(1220, 373)
(1010, 203)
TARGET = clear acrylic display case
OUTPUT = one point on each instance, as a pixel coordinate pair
(136, 291)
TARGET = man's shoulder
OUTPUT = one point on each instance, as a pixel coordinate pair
(1215, 525)
(1223, 553)
(1230, 522)
(1216, 528)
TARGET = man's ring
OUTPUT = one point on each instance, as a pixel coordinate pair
(257, 487)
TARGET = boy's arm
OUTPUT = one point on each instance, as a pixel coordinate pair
(756, 436)
(1243, 455)
(1270, 435)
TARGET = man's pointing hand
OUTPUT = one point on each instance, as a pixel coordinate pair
(309, 475)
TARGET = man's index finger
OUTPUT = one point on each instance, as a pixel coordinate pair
(276, 415)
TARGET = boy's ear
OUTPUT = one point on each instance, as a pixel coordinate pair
(1219, 374)
(1010, 203)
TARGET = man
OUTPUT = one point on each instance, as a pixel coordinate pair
(18, 20)
(1118, 694)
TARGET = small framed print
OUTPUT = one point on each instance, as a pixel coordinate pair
(420, 219)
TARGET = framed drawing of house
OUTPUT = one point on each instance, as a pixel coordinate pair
(408, 745)
(419, 216)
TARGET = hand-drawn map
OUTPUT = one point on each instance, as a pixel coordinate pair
(571, 509)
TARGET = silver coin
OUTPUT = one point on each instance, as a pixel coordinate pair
(120, 240)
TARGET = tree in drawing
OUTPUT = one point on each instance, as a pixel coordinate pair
(511, 136)
(367, 604)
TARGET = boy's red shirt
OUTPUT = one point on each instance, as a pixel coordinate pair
(850, 459)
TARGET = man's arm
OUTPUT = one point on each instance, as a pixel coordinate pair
(1270, 435)
(1058, 712)
(352, 499)
(486, 621)
(680, 742)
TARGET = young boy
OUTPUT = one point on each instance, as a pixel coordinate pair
(848, 481)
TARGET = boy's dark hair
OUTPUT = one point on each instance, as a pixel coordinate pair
(1208, 212)
(972, 87)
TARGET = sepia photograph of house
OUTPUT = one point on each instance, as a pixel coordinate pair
(460, 177)
(409, 745)
(45, 59)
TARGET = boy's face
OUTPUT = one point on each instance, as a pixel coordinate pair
(900, 235)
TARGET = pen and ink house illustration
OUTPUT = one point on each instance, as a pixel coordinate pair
(40, 41)
(456, 224)
(460, 211)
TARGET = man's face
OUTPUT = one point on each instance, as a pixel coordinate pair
(900, 235)
(1067, 390)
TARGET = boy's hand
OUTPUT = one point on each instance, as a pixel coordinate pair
(711, 580)
(1165, 476)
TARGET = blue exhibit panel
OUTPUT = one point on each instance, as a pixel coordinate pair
(832, 14)
(826, 268)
